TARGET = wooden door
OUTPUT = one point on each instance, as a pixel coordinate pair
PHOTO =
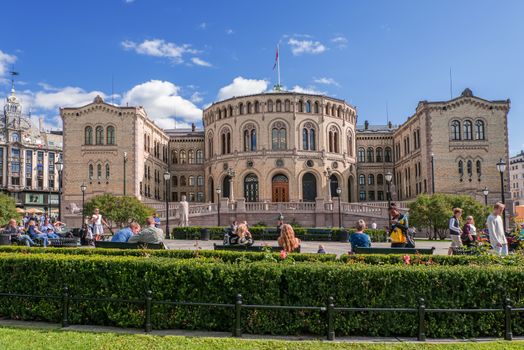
(280, 189)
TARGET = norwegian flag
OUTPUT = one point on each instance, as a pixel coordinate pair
(276, 60)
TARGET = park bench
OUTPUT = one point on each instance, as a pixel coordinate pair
(246, 248)
(385, 250)
(121, 245)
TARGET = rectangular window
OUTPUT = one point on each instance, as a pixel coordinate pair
(40, 163)
(200, 197)
(175, 196)
(28, 167)
(371, 195)
(362, 196)
(380, 195)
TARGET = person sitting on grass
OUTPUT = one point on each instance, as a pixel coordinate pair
(359, 239)
(124, 234)
(241, 236)
(13, 230)
(150, 234)
(287, 240)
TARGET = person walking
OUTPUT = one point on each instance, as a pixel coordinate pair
(98, 222)
(497, 238)
(455, 231)
(469, 233)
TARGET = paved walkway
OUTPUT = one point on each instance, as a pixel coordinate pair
(338, 248)
(192, 333)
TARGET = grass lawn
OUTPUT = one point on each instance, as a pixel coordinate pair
(19, 338)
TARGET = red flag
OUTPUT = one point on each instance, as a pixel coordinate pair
(276, 60)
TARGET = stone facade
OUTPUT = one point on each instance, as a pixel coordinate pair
(27, 160)
(516, 175)
(280, 147)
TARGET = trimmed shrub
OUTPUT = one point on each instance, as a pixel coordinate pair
(306, 284)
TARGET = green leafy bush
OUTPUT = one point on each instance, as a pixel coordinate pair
(299, 283)
(7, 209)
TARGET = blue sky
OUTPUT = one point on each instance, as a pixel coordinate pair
(176, 57)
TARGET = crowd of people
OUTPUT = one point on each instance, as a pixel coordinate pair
(33, 228)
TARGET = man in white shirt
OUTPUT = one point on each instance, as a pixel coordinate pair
(496, 230)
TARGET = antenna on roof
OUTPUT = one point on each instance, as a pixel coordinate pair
(450, 85)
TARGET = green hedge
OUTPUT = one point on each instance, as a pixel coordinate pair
(269, 233)
(202, 280)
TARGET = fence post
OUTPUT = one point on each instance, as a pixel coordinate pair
(330, 311)
(148, 311)
(65, 307)
(237, 331)
(507, 320)
(421, 320)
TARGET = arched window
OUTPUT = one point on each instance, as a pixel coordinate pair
(350, 144)
(371, 179)
(250, 138)
(468, 130)
(278, 136)
(339, 112)
(183, 157)
(308, 137)
(174, 181)
(479, 168)
(380, 179)
(191, 156)
(362, 179)
(328, 109)
(230, 109)
(333, 110)
(333, 140)
(270, 106)
(379, 155)
(279, 106)
(387, 155)
(251, 188)
(191, 180)
(300, 106)
(174, 157)
(88, 135)
(108, 171)
(200, 180)
(455, 130)
(257, 107)
(461, 168)
(479, 130)
(99, 135)
(199, 156)
(361, 155)
(210, 145)
(287, 106)
(317, 107)
(248, 108)
(91, 172)
(182, 180)
(226, 141)
(371, 155)
(308, 106)
(470, 168)
(240, 108)
(99, 171)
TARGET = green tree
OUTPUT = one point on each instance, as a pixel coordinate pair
(7, 209)
(119, 211)
(432, 212)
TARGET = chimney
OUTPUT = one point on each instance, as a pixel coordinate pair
(366, 125)
(193, 127)
(390, 125)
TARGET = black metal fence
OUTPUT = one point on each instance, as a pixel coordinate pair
(329, 309)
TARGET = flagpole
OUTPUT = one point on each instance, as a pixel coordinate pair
(278, 63)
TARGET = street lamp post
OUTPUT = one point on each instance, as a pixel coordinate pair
(339, 191)
(501, 167)
(125, 163)
(218, 190)
(485, 192)
(59, 166)
(389, 177)
(83, 188)
(167, 177)
(432, 173)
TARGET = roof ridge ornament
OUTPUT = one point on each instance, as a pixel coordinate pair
(467, 93)
(98, 99)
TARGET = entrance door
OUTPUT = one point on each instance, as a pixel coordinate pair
(280, 188)
(251, 188)
(309, 187)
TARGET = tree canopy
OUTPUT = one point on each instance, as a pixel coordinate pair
(433, 211)
(7, 209)
(119, 211)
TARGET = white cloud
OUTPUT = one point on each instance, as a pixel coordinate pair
(340, 41)
(230, 31)
(129, 1)
(326, 81)
(64, 97)
(200, 62)
(5, 60)
(299, 47)
(242, 86)
(202, 25)
(196, 97)
(307, 90)
(160, 48)
(162, 102)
